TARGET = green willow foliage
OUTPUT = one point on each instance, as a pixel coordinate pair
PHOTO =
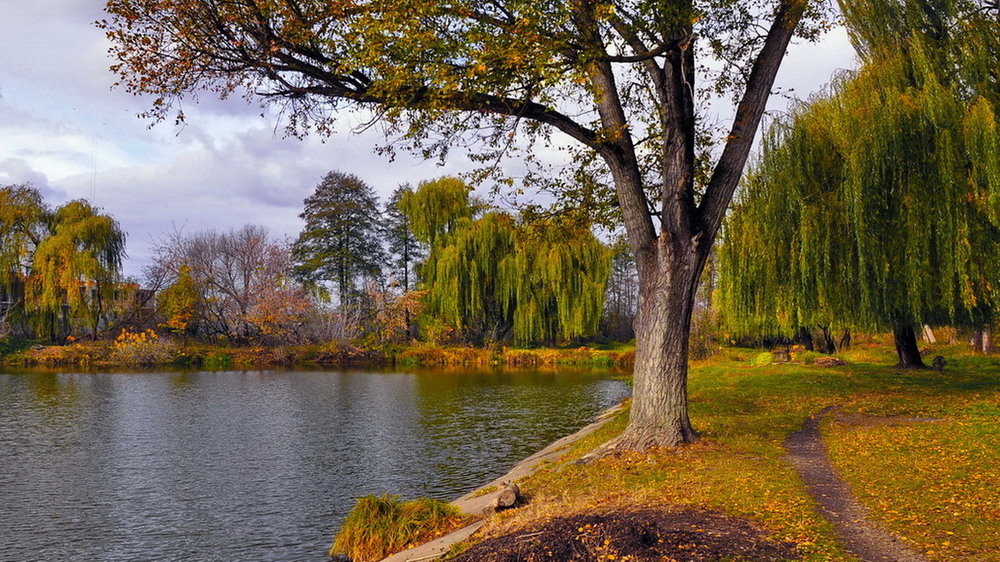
(75, 265)
(492, 279)
(877, 204)
(57, 267)
(21, 228)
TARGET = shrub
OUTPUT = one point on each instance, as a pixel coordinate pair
(380, 526)
(141, 348)
(762, 359)
(807, 357)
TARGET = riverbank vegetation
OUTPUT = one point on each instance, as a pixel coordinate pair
(146, 349)
(918, 448)
(434, 266)
(377, 526)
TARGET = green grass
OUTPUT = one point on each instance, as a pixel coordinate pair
(380, 526)
(933, 482)
(924, 456)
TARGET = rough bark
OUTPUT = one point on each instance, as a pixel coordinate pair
(906, 347)
(670, 263)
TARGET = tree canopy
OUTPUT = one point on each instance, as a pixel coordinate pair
(340, 243)
(58, 268)
(616, 77)
(494, 279)
(875, 205)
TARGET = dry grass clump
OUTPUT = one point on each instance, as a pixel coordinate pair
(380, 526)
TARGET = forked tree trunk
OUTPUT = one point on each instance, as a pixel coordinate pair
(906, 347)
(845, 340)
(670, 259)
(659, 413)
(829, 346)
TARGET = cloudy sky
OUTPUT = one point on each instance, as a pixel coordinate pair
(64, 129)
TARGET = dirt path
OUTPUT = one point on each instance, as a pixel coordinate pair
(861, 537)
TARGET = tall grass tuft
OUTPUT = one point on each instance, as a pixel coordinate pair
(380, 526)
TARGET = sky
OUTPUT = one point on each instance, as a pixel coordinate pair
(68, 132)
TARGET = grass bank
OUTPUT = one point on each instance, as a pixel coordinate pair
(149, 350)
(920, 448)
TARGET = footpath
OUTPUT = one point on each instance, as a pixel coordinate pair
(859, 535)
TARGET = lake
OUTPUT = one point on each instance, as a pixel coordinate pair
(259, 465)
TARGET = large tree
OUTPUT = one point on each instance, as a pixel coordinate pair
(892, 228)
(616, 77)
(493, 278)
(59, 269)
(405, 251)
(22, 227)
(340, 242)
(235, 284)
(75, 269)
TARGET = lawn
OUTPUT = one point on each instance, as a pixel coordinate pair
(921, 450)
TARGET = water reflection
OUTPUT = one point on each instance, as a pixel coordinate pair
(254, 465)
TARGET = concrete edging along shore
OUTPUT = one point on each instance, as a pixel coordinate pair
(478, 504)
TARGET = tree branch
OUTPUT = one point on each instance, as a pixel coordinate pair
(729, 169)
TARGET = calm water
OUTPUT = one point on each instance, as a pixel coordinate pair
(255, 465)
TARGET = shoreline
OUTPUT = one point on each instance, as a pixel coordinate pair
(479, 504)
(333, 355)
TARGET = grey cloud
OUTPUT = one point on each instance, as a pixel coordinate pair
(15, 171)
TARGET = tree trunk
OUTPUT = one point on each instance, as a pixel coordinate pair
(929, 335)
(659, 413)
(829, 346)
(906, 347)
(977, 339)
(806, 338)
(845, 340)
(987, 339)
(670, 262)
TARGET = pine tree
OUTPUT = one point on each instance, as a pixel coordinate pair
(340, 242)
(405, 251)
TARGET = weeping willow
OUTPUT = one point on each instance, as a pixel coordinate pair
(558, 275)
(22, 213)
(876, 204)
(493, 279)
(436, 207)
(74, 267)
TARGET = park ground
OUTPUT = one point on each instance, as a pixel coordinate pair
(919, 449)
